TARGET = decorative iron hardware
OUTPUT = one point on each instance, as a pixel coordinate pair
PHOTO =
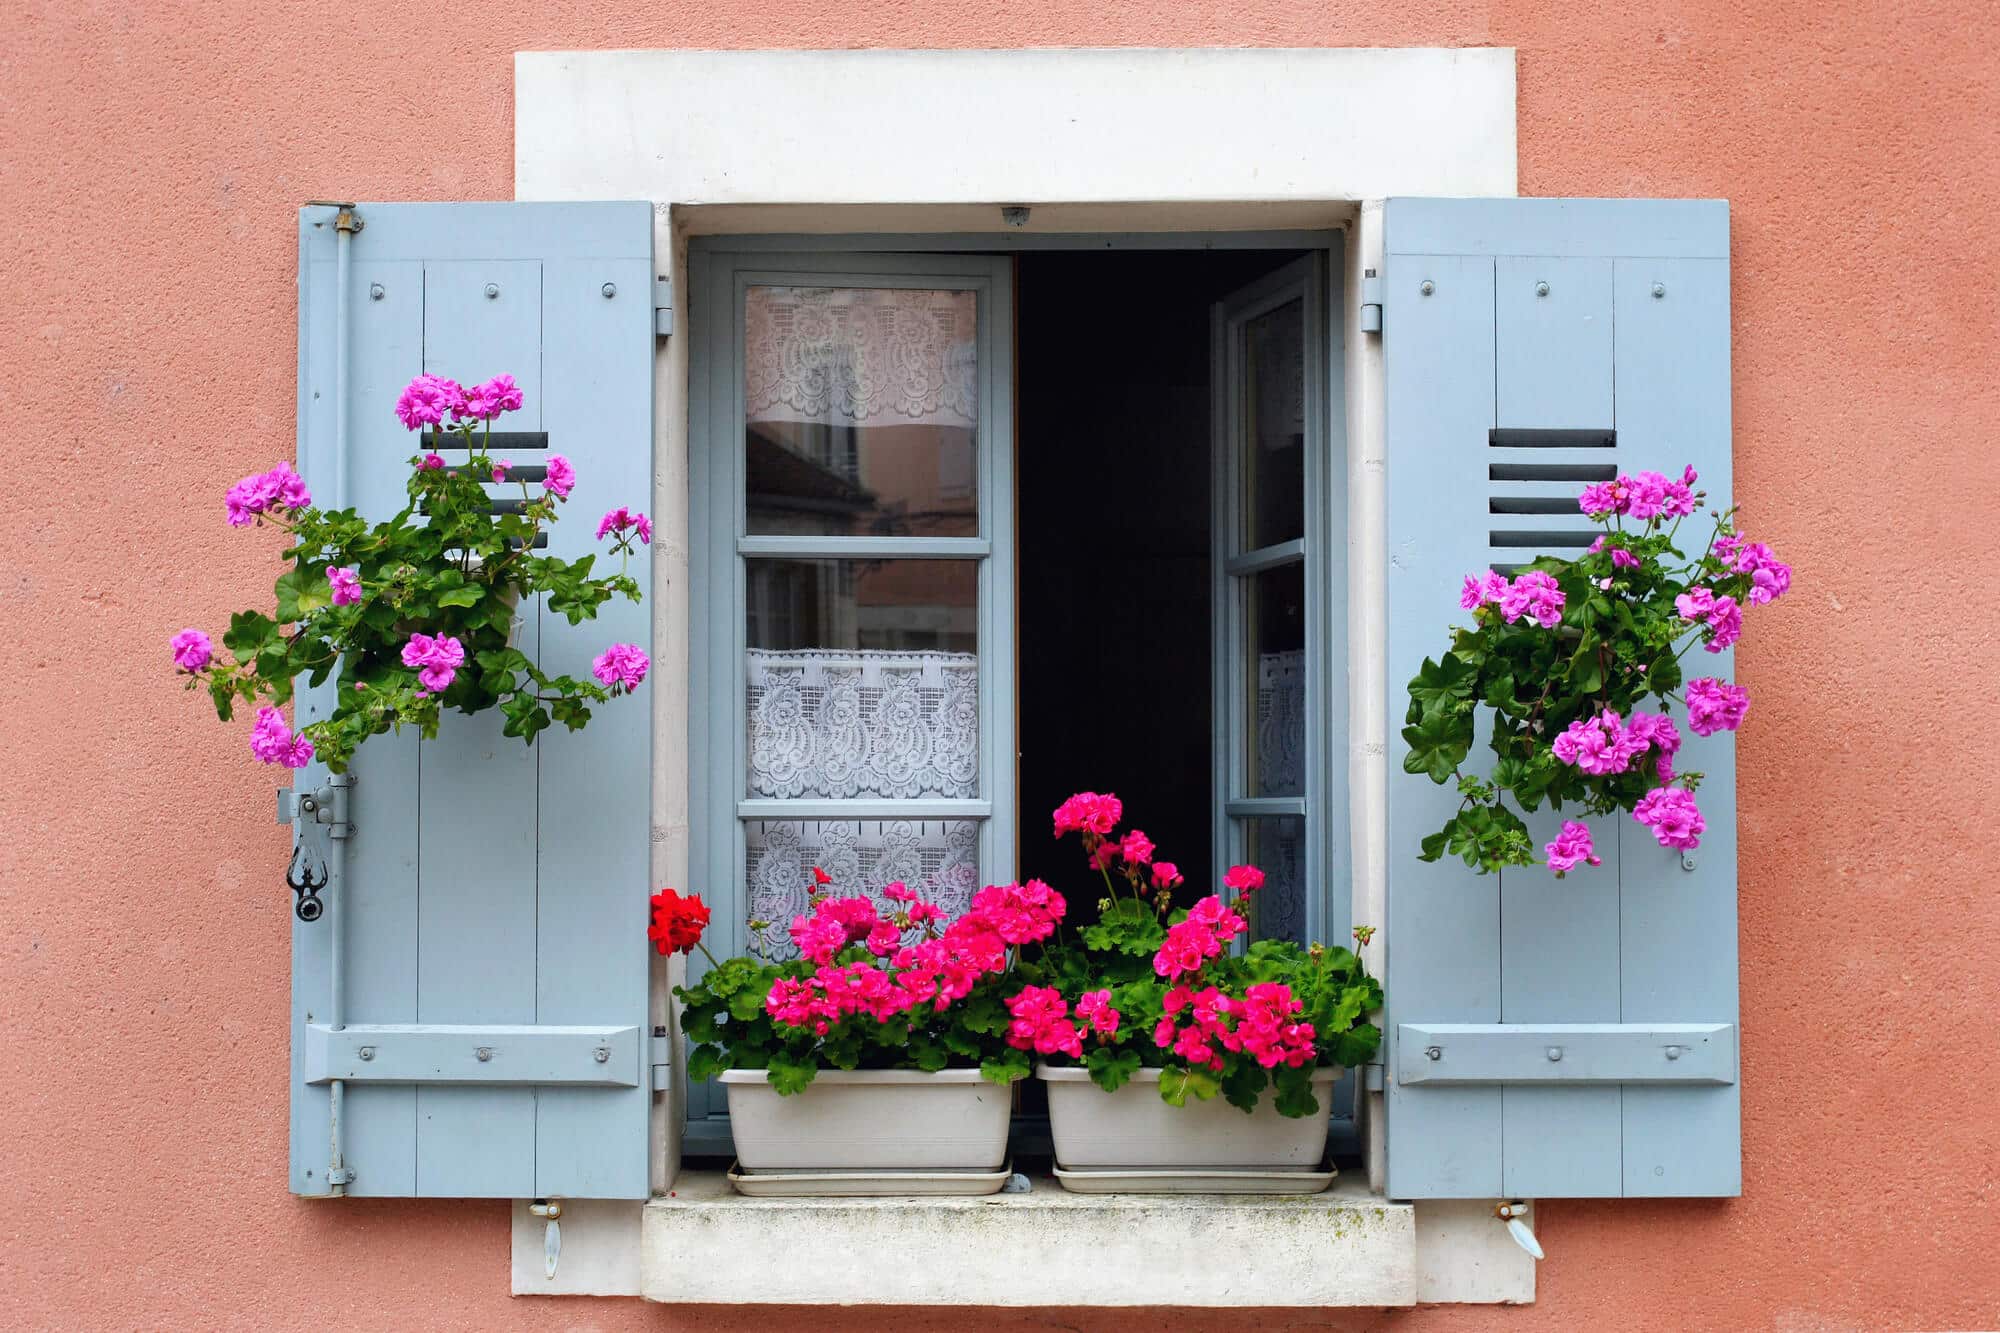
(318, 816)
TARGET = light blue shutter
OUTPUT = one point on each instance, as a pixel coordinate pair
(1552, 1038)
(493, 894)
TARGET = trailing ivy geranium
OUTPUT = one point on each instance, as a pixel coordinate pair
(1564, 657)
(1155, 986)
(416, 613)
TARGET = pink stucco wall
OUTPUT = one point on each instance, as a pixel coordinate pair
(152, 154)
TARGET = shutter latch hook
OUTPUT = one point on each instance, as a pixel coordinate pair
(550, 1209)
(1515, 1214)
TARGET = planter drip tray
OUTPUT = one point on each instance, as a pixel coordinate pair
(790, 1183)
(1185, 1180)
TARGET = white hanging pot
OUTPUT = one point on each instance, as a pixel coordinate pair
(1132, 1127)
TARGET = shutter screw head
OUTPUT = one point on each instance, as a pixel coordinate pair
(375, 291)
(484, 1053)
(492, 291)
(366, 1052)
(610, 289)
(1426, 287)
(601, 1054)
(1659, 290)
(1555, 1052)
(1434, 1052)
(1673, 1052)
(1541, 289)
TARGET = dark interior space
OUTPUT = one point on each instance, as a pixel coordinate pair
(1114, 514)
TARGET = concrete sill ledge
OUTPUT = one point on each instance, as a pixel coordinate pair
(708, 1245)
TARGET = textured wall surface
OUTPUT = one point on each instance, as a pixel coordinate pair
(151, 158)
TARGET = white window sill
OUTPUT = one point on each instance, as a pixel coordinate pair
(707, 1245)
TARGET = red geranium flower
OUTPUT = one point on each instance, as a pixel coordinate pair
(820, 877)
(678, 922)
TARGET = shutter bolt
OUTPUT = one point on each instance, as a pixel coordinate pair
(610, 289)
(602, 1054)
(1541, 289)
(1426, 287)
(1673, 1052)
(366, 1052)
(492, 291)
(375, 291)
(484, 1053)
(1555, 1052)
(1434, 1052)
(1659, 290)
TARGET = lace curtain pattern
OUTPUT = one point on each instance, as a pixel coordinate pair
(832, 725)
(1281, 723)
(861, 356)
(937, 858)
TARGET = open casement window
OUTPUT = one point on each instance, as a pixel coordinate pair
(469, 1012)
(1548, 1037)
(1278, 622)
(851, 509)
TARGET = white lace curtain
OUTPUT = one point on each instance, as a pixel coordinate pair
(829, 725)
(1281, 723)
(939, 858)
(833, 725)
(861, 356)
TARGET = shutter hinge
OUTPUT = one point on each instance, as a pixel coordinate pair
(663, 1059)
(1371, 302)
(1371, 1077)
(346, 217)
(663, 305)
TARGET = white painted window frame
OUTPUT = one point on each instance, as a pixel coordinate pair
(936, 142)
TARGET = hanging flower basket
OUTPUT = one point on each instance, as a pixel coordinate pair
(421, 611)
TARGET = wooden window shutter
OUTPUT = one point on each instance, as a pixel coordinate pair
(1574, 1037)
(489, 1037)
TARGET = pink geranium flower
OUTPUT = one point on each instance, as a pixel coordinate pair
(1715, 705)
(437, 659)
(622, 667)
(346, 585)
(1571, 848)
(560, 477)
(193, 650)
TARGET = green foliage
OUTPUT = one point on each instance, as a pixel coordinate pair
(441, 566)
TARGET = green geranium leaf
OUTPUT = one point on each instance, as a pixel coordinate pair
(1111, 1069)
(1178, 1083)
(791, 1074)
(705, 1062)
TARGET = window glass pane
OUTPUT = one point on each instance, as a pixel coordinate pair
(862, 407)
(1275, 673)
(1274, 426)
(1277, 847)
(863, 678)
(939, 858)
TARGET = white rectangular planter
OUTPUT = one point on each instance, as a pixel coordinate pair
(1132, 1127)
(870, 1120)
